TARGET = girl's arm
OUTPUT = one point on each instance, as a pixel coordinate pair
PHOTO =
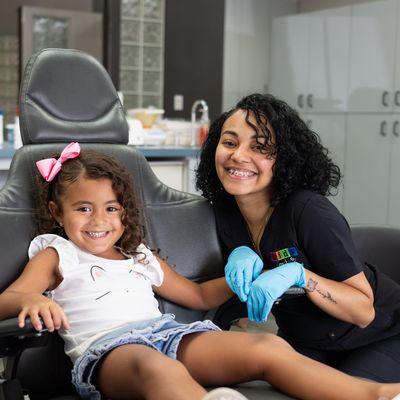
(351, 300)
(24, 297)
(203, 296)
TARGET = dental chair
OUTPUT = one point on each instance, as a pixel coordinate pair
(66, 95)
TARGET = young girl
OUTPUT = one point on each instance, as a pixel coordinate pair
(101, 281)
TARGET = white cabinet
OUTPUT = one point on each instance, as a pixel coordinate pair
(394, 177)
(332, 131)
(289, 64)
(396, 89)
(340, 69)
(373, 56)
(309, 63)
(372, 177)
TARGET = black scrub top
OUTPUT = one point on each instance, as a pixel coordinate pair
(307, 228)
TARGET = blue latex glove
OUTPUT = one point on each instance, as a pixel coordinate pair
(269, 286)
(244, 265)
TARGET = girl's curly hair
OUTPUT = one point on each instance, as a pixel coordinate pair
(300, 159)
(91, 165)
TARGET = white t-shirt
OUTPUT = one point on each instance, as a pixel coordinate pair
(99, 295)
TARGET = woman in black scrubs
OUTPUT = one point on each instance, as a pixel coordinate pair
(267, 175)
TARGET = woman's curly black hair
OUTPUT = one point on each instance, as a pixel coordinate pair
(91, 165)
(300, 159)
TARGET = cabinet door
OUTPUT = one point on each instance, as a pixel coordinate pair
(289, 60)
(329, 36)
(394, 177)
(172, 173)
(372, 56)
(332, 131)
(396, 89)
(366, 179)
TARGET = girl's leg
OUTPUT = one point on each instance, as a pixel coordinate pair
(224, 358)
(136, 371)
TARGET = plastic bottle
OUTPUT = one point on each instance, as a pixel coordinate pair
(10, 134)
(17, 134)
(204, 126)
(1, 127)
(17, 131)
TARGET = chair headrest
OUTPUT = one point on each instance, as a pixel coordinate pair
(67, 95)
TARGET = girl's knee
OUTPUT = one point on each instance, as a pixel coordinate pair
(272, 340)
(156, 367)
(268, 344)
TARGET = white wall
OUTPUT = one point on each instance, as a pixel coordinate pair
(246, 45)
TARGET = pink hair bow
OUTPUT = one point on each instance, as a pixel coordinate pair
(50, 167)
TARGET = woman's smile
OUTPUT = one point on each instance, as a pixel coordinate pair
(240, 173)
(241, 164)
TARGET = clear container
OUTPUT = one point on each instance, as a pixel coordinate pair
(1, 127)
(10, 133)
(147, 116)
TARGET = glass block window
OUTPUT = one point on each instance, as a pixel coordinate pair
(142, 53)
(49, 32)
(9, 64)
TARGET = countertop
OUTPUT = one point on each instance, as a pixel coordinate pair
(7, 152)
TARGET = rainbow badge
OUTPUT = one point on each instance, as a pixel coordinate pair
(284, 256)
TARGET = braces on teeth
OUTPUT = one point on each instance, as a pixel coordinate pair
(240, 173)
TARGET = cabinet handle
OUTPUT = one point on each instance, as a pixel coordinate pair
(310, 101)
(300, 100)
(397, 98)
(395, 130)
(383, 128)
(385, 98)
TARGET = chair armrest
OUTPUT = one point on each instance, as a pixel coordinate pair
(293, 291)
(234, 309)
(9, 327)
(14, 339)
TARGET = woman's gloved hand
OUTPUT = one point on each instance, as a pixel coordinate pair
(269, 286)
(243, 266)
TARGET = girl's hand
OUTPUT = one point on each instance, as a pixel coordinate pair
(37, 306)
(269, 286)
(243, 266)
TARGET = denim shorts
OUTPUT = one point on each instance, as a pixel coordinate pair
(162, 334)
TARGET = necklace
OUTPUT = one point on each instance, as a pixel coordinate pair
(255, 239)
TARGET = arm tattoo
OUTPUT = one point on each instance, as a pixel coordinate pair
(311, 286)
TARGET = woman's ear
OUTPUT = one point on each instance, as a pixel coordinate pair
(55, 212)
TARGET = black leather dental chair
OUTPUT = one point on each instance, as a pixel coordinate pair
(66, 95)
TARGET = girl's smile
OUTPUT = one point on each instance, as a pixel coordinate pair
(91, 216)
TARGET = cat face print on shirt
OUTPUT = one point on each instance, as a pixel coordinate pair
(107, 282)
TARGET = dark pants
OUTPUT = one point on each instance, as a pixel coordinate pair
(378, 361)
